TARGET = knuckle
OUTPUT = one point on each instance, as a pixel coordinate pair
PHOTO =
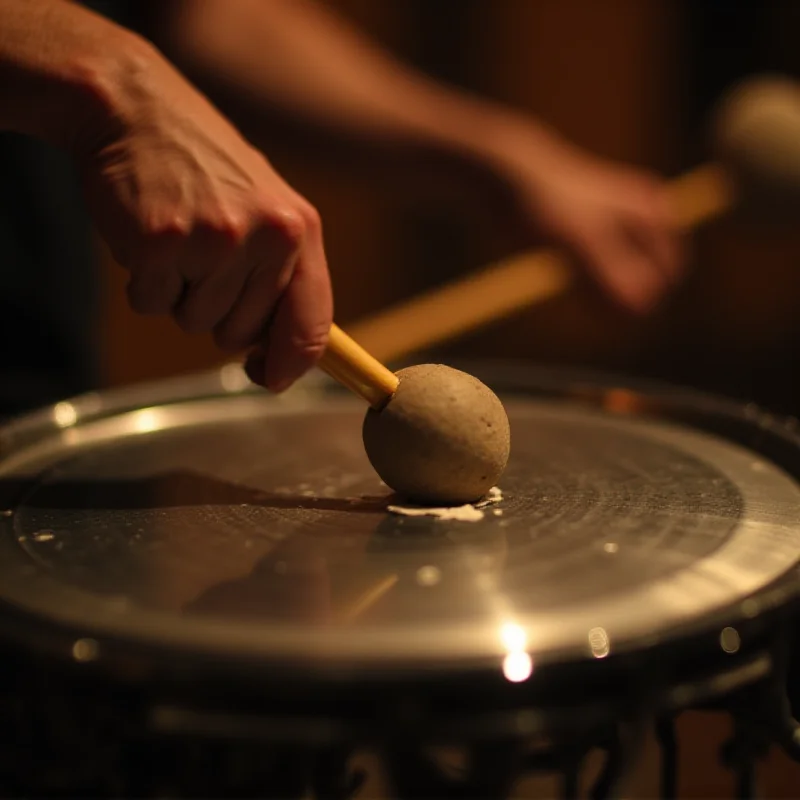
(231, 227)
(165, 226)
(288, 226)
(311, 217)
(291, 227)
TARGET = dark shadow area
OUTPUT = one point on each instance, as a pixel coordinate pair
(174, 490)
(292, 583)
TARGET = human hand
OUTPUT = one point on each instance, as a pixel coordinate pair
(614, 220)
(208, 230)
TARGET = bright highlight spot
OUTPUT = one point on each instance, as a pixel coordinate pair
(517, 667)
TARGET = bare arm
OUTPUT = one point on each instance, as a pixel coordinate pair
(299, 59)
(57, 65)
(295, 60)
(207, 229)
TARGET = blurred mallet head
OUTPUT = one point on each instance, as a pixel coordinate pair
(755, 134)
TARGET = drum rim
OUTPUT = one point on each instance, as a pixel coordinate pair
(581, 386)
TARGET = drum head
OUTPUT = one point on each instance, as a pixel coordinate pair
(209, 518)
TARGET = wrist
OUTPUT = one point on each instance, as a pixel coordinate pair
(509, 143)
(59, 64)
(82, 96)
(106, 89)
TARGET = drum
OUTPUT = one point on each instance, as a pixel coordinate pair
(205, 591)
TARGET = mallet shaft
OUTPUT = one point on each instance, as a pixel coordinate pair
(508, 286)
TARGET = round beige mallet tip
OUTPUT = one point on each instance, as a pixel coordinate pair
(756, 134)
(442, 439)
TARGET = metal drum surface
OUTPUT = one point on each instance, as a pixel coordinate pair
(239, 545)
(228, 522)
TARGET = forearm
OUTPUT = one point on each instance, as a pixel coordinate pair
(293, 59)
(64, 71)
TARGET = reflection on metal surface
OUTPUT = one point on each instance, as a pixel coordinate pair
(517, 667)
(428, 575)
(517, 663)
(750, 608)
(486, 582)
(233, 378)
(65, 414)
(370, 597)
(729, 640)
(599, 643)
(188, 526)
(622, 401)
(85, 650)
(148, 420)
(513, 636)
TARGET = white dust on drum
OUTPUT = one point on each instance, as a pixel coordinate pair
(471, 512)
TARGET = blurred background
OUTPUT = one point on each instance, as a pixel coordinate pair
(633, 80)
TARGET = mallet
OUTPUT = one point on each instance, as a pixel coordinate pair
(755, 136)
(434, 434)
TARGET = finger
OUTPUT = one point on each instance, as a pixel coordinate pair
(155, 284)
(298, 334)
(206, 302)
(656, 234)
(656, 248)
(624, 272)
(154, 291)
(249, 314)
(214, 269)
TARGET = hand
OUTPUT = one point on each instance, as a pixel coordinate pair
(208, 230)
(614, 220)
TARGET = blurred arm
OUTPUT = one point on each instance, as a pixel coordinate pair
(303, 65)
(209, 232)
(295, 63)
(58, 66)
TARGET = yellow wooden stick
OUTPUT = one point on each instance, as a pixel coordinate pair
(352, 366)
(508, 286)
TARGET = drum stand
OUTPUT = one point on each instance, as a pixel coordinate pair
(759, 709)
(254, 760)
